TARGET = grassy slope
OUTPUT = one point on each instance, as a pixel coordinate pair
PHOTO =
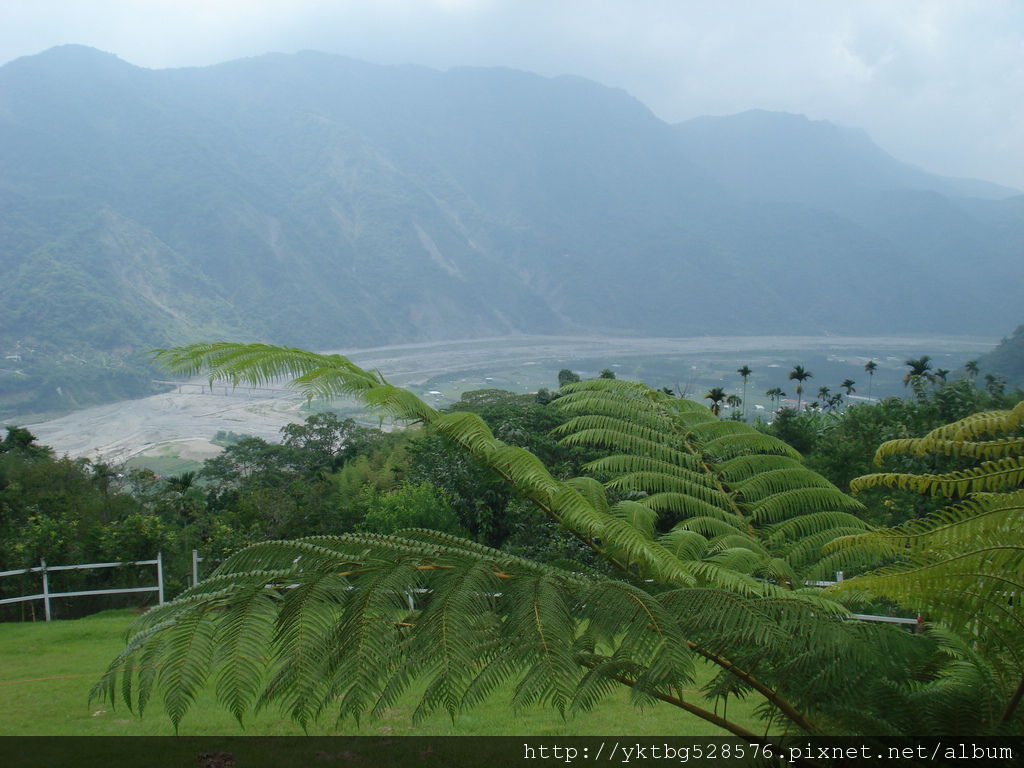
(48, 669)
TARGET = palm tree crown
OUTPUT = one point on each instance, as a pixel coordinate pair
(799, 374)
(716, 395)
(870, 367)
(744, 371)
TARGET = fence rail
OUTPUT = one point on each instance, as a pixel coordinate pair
(46, 595)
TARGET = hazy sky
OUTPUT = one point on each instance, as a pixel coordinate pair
(939, 83)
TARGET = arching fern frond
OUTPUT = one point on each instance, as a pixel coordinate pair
(695, 484)
(787, 504)
(333, 633)
(682, 505)
(744, 467)
(715, 428)
(979, 425)
(731, 446)
(625, 464)
(1000, 475)
(774, 481)
(988, 449)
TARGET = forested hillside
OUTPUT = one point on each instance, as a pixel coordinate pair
(316, 200)
(1007, 359)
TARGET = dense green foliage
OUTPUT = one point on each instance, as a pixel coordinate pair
(326, 476)
(841, 444)
(656, 534)
(46, 380)
(709, 528)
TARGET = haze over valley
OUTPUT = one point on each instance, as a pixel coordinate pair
(318, 201)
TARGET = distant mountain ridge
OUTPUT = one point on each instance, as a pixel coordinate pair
(784, 156)
(315, 200)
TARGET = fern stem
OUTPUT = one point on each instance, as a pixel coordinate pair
(557, 518)
(1014, 702)
(704, 714)
(780, 703)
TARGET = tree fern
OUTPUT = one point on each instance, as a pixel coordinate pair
(962, 566)
(719, 584)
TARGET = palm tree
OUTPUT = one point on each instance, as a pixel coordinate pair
(799, 375)
(775, 394)
(971, 366)
(734, 401)
(920, 371)
(823, 393)
(995, 385)
(941, 373)
(716, 395)
(744, 371)
(848, 386)
(870, 366)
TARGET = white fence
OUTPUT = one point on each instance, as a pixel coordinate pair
(915, 622)
(46, 595)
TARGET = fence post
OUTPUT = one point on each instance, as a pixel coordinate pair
(195, 567)
(160, 576)
(46, 588)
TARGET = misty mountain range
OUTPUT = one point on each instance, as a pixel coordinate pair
(314, 200)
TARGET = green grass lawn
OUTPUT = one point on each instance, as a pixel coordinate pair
(47, 670)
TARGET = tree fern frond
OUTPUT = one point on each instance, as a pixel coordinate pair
(242, 639)
(592, 491)
(985, 516)
(731, 446)
(744, 467)
(813, 524)
(787, 504)
(999, 475)
(618, 441)
(702, 486)
(715, 429)
(806, 552)
(525, 470)
(758, 487)
(631, 463)
(608, 424)
(739, 559)
(634, 388)
(611, 405)
(187, 659)
(733, 541)
(465, 428)
(688, 420)
(261, 364)
(979, 425)
(640, 516)
(709, 527)
(989, 449)
(684, 505)
(684, 544)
